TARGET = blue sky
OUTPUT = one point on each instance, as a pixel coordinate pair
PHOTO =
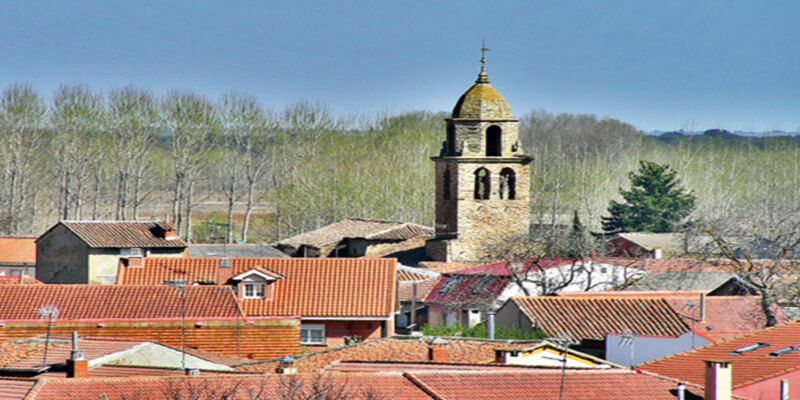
(678, 64)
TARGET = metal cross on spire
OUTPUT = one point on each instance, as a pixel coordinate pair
(484, 49)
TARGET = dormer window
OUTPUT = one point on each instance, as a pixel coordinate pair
(255, 290)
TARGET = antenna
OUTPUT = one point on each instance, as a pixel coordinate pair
(628, 339)
(49, 312)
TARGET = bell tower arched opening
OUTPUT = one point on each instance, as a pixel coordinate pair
(482, 184)
(508, 184)
(494, 141)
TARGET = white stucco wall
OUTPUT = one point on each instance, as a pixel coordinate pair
(646, 348)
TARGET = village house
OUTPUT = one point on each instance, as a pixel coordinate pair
(339, 300)
(89, 251)
(18, 256)
(207, 318)
(465, 296)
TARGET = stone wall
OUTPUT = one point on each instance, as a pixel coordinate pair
(470, 137)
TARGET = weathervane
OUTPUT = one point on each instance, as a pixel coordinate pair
(484, 49)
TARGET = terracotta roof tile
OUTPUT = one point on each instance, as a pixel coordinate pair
(725, 316)
(747, 367)
(28, 353)
(547, 385)
(329, 287)
(76, 302)
(15, 388)
(581, 318)
(414, 274)
(411, 349)
(501, 268)
(405, 289)
(14, 280)
(270, 387)
(369, 229)
(105, 234)
(18, 250)
(257, 338)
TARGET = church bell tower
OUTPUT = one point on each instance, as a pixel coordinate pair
(482, 177)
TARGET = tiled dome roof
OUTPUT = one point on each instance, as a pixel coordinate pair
(482, 101)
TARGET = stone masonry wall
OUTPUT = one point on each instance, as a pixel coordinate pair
(471, 137)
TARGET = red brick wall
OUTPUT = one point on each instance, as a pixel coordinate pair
(335, 331)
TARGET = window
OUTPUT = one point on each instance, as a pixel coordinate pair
(751, 347)
(132, 252)
(508, 184)
(312, 334)
(255, 290)
(494, 141)
(451, 141)
(482, 184)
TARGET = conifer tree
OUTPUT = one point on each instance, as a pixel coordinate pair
(655, 202)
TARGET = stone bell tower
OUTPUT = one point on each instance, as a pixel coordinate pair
(482, 177)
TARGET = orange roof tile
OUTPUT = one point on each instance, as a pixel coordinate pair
(747, 367)
(405, 289)
(312, 287)
(77, 302)
(14, 280)
(447, 267)
(236, 387)
(410, 349)
(18, 250)
(15, 388)
(105, 234)
(580, 318)
(28, 353)
(547, 385)
(725, 316)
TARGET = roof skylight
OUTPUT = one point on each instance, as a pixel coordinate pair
(751, 347)
(783, 351)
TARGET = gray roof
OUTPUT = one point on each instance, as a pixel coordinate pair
(235, 250)
(683, 280)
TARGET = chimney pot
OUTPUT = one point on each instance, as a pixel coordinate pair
(681, 391)
(224, 262)
(718, 379)
(702, 306)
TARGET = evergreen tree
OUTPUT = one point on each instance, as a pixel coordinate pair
(655, 203)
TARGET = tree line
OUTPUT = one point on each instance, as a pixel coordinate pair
(129, 153)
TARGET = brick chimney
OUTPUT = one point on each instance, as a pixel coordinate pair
(718, 380)
(437, 350)
(77, 366)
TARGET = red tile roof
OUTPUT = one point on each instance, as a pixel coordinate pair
(28, 353)
(580, 318)
(15, 388)
(405, 289)
(725, 316)
(388, 249)
(18, 250)
(409, 349)
(369, 229)
(748, 367)
(14, 280)
(394, 386)
(80, 302)
(407, 274)
(312, 287)
(547, 385)
(478, 290)
(111, 234)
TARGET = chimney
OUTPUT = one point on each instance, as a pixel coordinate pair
(681, 392)
(286, 366)
(77, 366)
(718, 380)
(224, 262)
(784, 389)
(135, 262)
(490, 324)
(192, 372)
(702, 306)
(437, 352)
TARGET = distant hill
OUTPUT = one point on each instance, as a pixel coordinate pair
(725, 136)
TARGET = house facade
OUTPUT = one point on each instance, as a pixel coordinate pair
(339, 301)
(89, 251)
